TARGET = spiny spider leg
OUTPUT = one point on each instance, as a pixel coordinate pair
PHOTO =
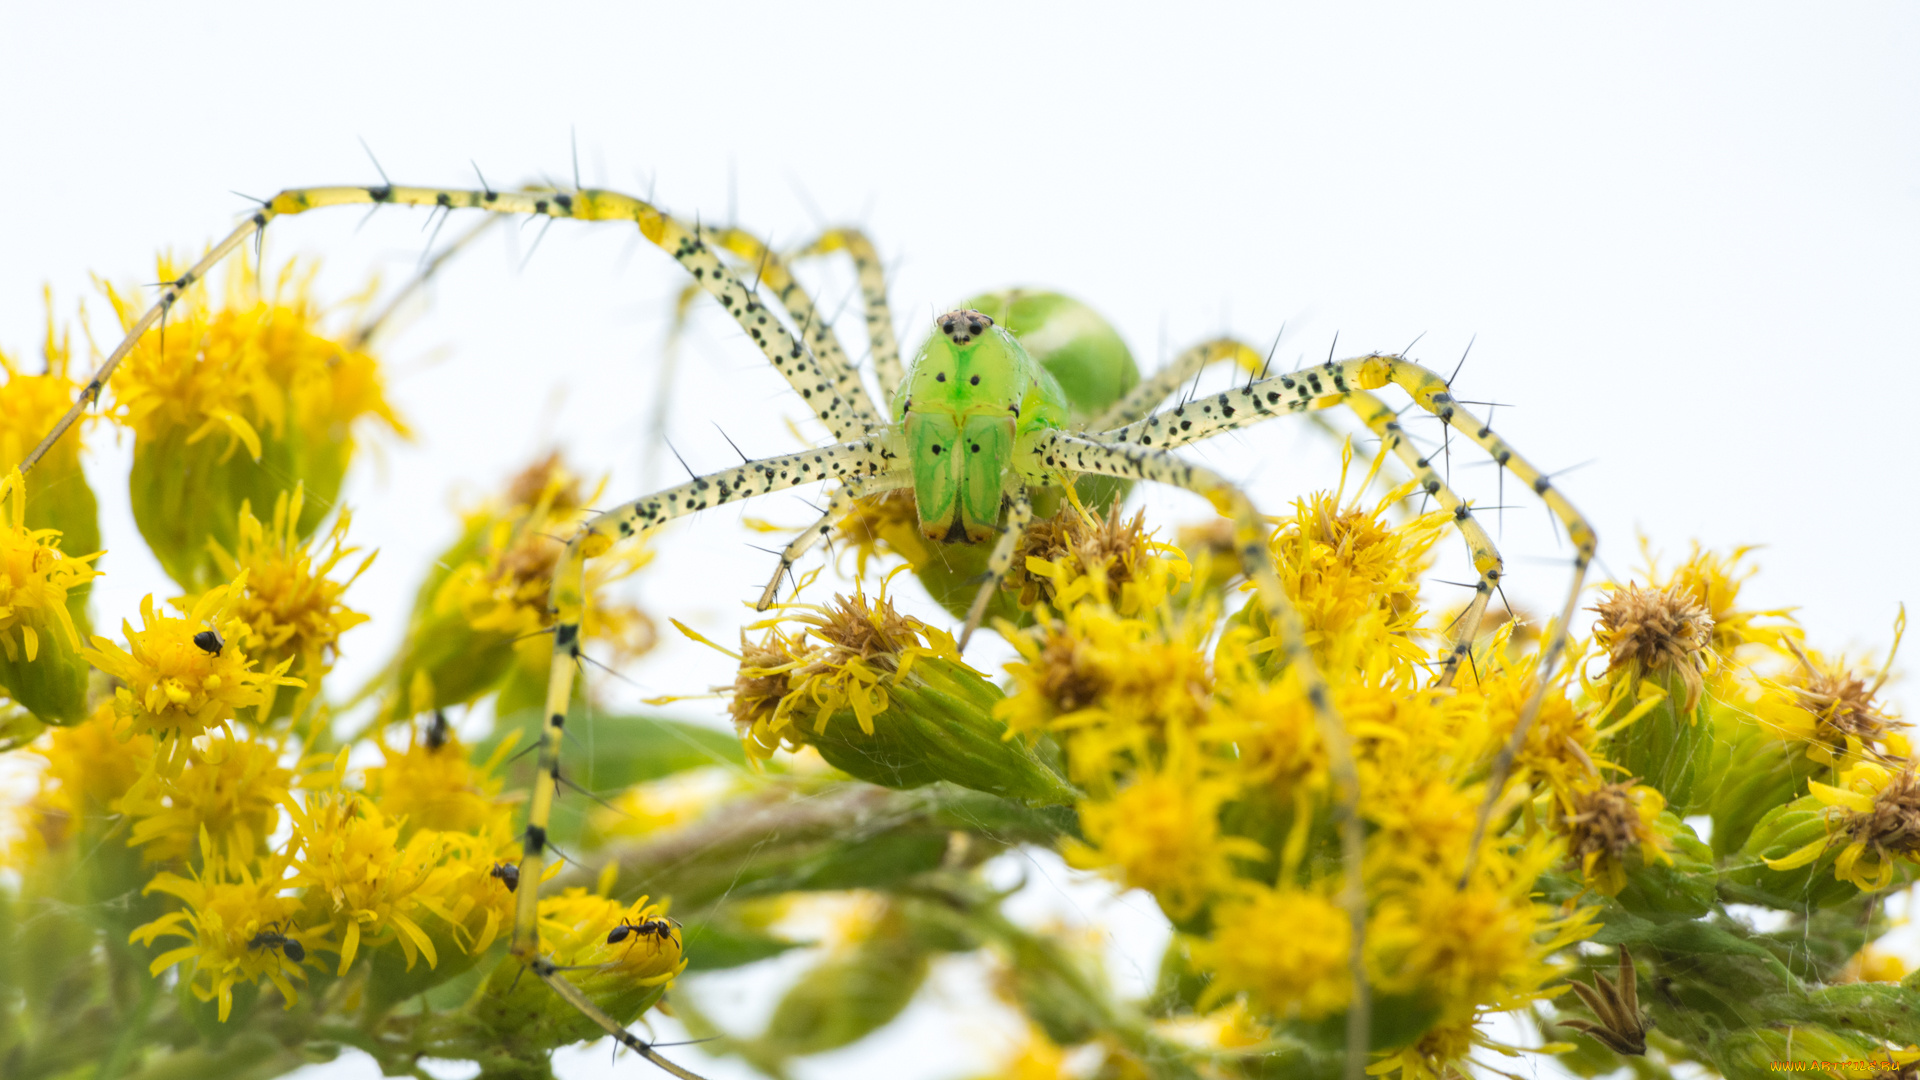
(1152, 391)
(1019, 515)
(1049, 454)
(849, 461)
(773, 272)
(1302, 390)
(860, 458)
(576, 997)
(839, 504)
(872, 277)
(1374, 413)
(837, 398)
(1487, 564)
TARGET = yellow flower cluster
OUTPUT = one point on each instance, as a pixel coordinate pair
(232, 401)
(196, 790)
(479, 621)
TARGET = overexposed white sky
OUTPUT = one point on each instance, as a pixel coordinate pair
(1681, 238)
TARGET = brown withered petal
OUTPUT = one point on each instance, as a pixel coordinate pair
(1065, 677)
(1622, 1027)
(1893, 825)
(1606, 820)
(526, 488)
(1844, 702)
(1660, 630)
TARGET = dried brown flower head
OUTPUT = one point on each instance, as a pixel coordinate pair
(1110, 548)
(762, 679)
(531, 484)
(1648, 631)
(1606, 821)
(1845, 704)
(1892, 826)
(1066, 678)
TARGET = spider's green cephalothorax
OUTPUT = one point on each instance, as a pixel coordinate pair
(969, 395)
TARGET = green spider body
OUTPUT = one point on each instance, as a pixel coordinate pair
(970, 395)
(1041, 360)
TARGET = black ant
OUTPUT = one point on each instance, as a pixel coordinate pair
(209, 642)
(273, 939)
(438, 731)
(509, 875)
(657, 928)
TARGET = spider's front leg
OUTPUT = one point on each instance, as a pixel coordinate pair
(851, 461)
(848, 462)
(1052, 454)
(833, 392)
(839, 504)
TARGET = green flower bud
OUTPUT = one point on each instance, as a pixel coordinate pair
(1756, 1053)
(1780, 833)
(623, 957)
(236, 402)
(1657, 641)
(1756, 772)
(1679, 886)
(477, 619)
(886, 698)
(41, 665)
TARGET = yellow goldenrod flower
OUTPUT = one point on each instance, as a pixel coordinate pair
(360, 878)
(1560, 746)
(1876, 812)
(883, 524)
(624, 976)
(41, 662)
(226, 795)
(1605, 823)
(1286, 949)
(1072, 556)
(478, 620)
(1484, 946)
(292, 609)
(1110, 687)
(466, 891)
(1161, 832)
(1655, 632)
(1832, 711)
(182, 676)
(58, 495)
(439, 787)
(864, 649)
(909, 710)
(1355, 578)
(240, 926)
(236, 402)
(1713, 581)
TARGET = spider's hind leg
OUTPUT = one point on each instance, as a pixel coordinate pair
(872, 276)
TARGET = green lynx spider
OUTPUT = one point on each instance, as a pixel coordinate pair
(974, 426)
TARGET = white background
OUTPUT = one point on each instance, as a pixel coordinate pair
(1683, 235)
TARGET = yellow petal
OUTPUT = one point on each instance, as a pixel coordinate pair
(1833, 796)
(351, 946)
(1799, 858)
